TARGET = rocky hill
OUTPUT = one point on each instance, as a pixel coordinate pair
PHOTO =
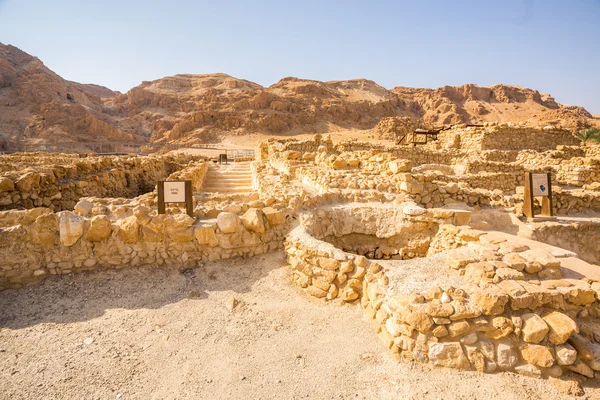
(38, 105)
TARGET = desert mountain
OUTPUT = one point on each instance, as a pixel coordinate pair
(38, 105)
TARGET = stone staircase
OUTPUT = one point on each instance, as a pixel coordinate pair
(228, 178)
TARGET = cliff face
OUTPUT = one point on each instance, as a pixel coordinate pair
(37, 105)
(503, 103)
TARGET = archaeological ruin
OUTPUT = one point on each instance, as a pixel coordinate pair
(429, 241)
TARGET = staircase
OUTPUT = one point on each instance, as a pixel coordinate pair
(228, 178)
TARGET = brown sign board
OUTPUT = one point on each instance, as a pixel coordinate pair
(171, 192)
(537, 185)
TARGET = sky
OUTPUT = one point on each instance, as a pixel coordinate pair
(551, 46)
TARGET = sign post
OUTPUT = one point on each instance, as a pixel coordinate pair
(537, 185)
(175, 192)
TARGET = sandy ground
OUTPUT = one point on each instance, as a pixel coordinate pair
(157, 333)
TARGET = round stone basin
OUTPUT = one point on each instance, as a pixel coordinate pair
(375, 230)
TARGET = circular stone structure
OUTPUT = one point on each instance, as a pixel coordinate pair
(473, 300)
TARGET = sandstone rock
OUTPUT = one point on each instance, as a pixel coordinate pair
(501, 327)
(509, 273)
(528, 370)
(419, 320)
(582, 345)
(448, 354)
(537, 355)
(541, 256)
(490, 300)
(70, 228)
(506, 355)
(515, 261)
(476, 358)
(435, 308)
(83, 207)
(581, 368)
(229, 222)
(561, 327)
(205, 235)
(43, 231)
(534, 328)
(128, 229)
(274, 217)
(253, 220)
(565, 354)
(99, 229)
(6, 184)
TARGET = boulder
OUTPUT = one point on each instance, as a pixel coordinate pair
(565, 354)
(448, 354)
(70, 228)
(274, 217)
(99, 230)
(560, 327)
(6, 185)
(534, 328)
(129, 229)
(83, 207)
(506, 355)
(205, 234)
(43, 231)
(537, 355)
(253, 220)
(229, 222)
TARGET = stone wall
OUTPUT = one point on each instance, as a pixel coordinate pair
(513, 313)
(505, 137)
(103, 235)
(581, 237)
(60, 186)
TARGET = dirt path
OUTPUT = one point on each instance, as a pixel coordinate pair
(161, 334)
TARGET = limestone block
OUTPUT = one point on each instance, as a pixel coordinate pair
(561, 327)
(83, 207)
(128, 229)
(6, 184)
(253, 220)
(515, 261)
(205, 235)
(541, 256)
(99, 230)
(43, 231)
(27, 182)
(528, 370)
(506, 355)
(490, 300)
(535, 354)
(582, 345)
(565, 354)
(534, 328)
(581, 368)
(448, 354)
(229, 222)
(70, 228)
(274, 217)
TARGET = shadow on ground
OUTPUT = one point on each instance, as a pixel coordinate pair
(87, 295)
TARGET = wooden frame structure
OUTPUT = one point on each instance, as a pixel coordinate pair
(528, 206)
(188, 197)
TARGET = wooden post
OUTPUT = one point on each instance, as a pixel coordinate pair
(547, 200)
(528, 196)
(161, 197)
(189, 200)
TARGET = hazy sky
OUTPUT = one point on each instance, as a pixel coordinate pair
(552, 46)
